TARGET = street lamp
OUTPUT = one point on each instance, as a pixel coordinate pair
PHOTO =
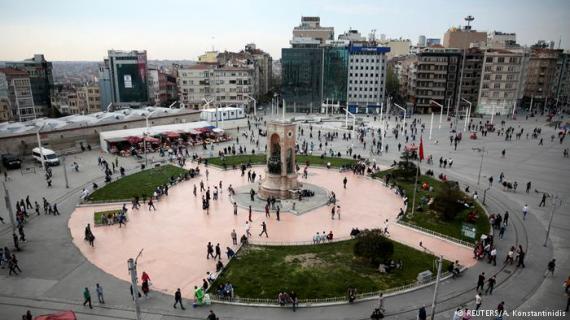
(405, 112)
(146, 133)
(440, 111)
(254, 104)
(132, 265)
(482, 150)
(40, 145)
(468, 114)
(552, 211)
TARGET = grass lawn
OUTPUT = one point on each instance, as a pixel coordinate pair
(99, 215)
(317, 271)
(138, 184)
(261, 159)
(430, 219)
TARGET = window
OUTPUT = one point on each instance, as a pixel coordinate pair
(489, 59)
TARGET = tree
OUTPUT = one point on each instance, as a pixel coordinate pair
(392, 82)
(406, 170)
(373, 246)
(449, 201)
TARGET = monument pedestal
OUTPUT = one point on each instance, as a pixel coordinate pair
(281, 173)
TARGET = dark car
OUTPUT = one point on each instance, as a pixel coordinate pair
(11, 161)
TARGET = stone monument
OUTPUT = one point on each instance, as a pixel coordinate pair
(280, 179)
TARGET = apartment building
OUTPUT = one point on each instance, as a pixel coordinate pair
(503, 79)
(225, 85)
(19, 90)
(310, 27)
(541, 78)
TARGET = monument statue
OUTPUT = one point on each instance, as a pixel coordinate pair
(280, 179)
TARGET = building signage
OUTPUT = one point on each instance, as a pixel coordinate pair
(355, 49)
(128, 81)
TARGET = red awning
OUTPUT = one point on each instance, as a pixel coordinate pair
(134, 139)
(172, 134)
(202, 130)
(65, 315)
(152, 140)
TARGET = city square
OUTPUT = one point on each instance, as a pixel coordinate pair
(362, 177)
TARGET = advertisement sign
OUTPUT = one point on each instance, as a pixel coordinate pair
(468, 230)
(128, 81)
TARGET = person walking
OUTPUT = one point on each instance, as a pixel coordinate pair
(99, 291)
(528, 185)
(178, 299)
(344, 181)
(234, 237)
(422, 314)
(264, 229)
(525, 211)
(87, 298)
(218, 252)
(550, 268)
(521, 256)
(151, 204)
(210, 251)
(277, 212)
(543, 201)
(506, 218)
(333, 212)
(491, 285)
(235, 208)
(478, 301)
(381, 302)
(481, 281)
(249, 217)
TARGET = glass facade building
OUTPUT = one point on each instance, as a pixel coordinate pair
(335, 74)
(302, 78)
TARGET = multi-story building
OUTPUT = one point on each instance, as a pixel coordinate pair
(302, 75)
(501, 40)
(398, 47)
(209, 57)
(422, 41)
(560, 91)
(311, 28)
(335, 72)
(432, 74)
(19, 90)
(225, 85)
(430, 42)
(463, 38)
(128, 78)
(470, 76)
(162, 87)
(5, 112)
(40, 72)
(76, 99)
(541, 76)
(105, 86)
(502, 80)
(366, 76)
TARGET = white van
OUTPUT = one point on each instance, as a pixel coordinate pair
(50, 158)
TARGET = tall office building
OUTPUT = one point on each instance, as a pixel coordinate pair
(19, 90)
(40, 72)
(366, 77)
(127, 74)
(422, 41)
(560, 90)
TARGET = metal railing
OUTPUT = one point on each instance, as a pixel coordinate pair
(437, 234)
(297, 243)
(415, 285)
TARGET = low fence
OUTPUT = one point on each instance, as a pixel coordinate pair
(336, 300)
(437, 234)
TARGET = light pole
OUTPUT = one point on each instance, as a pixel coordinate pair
(437, 277)
(552, 211)
(40, 145)
(132, 265)
(468, 114)
(493, 113)
(254, 104)
(404, 125)
(482, 150)
(430, 126)
(440, 111)
(145, 134)
(9, 208)
(65, 172)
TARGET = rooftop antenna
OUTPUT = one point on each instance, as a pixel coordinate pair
(469, 18)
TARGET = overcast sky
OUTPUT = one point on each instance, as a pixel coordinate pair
(183, 29)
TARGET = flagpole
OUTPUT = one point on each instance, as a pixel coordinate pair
(420, 157)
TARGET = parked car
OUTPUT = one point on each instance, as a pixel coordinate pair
(11, 161)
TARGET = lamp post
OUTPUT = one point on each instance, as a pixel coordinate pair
(404, 125)
(146, 133)
(65, 172)
(40, 145)
(437, 278)
(9, 208)
(552, 211)
(132, 265)
(482, 150)
(468, 113)
(430, 126)
(440, 111)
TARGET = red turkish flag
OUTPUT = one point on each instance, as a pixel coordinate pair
(421, 148)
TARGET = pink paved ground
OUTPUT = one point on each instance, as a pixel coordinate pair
(174, 237)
